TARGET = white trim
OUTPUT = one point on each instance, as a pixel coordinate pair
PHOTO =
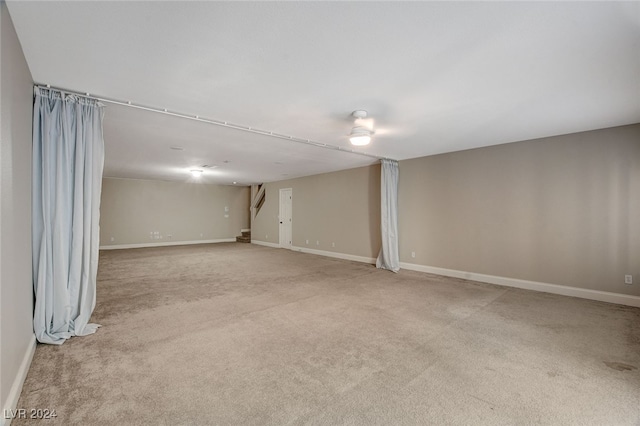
(602, 296)
(245, 230)
(16, 387)
(170, 243)
(344, 256)
(266, 244)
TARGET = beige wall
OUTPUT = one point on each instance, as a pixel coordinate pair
(16, 287)
(131, 209)
(562, 210)
(341, 208)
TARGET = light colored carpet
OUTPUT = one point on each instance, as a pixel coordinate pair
(242, 334)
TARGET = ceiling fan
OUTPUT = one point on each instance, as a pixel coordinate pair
(362, 130)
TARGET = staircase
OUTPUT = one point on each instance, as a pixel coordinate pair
(245, 238)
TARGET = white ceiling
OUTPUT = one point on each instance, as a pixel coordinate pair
(435, 76)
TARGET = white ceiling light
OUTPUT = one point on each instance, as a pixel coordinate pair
(196, 173)
(360, 135)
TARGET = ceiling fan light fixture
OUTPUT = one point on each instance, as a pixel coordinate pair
(196, 173)
(360, 136)
(359, 114)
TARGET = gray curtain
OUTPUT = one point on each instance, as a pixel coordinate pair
(68, 158)
(389, 257)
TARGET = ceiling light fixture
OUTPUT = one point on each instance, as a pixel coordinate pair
(196, 173)
(360, 135)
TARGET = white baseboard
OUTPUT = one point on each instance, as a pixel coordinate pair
(335, 255)
(344, 256)
(245, 230)
(18, 381)
(602, 296)
(266, 244)
(167, 243)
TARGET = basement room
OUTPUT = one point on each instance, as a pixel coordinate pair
(320, 213)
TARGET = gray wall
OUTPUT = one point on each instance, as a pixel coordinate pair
(16, 288)
(131, 209)
(341, 207)
(561, 210)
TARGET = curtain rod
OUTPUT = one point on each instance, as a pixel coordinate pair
(209, 121)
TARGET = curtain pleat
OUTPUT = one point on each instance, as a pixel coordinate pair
(68, 159)
(389, 257)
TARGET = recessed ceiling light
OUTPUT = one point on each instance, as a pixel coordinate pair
(196, 173)
(177, 148)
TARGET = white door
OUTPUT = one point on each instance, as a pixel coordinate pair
(286, 202)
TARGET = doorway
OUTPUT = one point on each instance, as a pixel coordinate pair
(286, 203)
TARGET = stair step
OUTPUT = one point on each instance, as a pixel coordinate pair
(243, 239)
(246, 234)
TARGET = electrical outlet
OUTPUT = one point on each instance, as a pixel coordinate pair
(413, 254)
(333, 244)
(307, 242)
(628, 279)
(112, 239)
(266, 237)
(317, 243)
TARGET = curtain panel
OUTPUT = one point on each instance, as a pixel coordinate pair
(389, 257)
(68, 159)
